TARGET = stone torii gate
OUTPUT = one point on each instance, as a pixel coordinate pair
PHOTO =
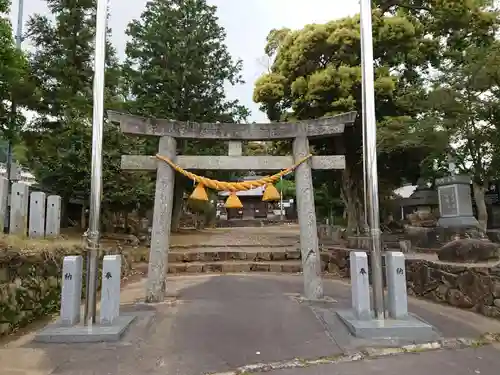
(170, 130)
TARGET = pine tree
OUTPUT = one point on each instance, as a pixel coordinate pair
(177, 63)
(177, 66)
(62, 62)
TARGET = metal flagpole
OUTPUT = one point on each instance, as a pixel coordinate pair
(371, 157)
(92, 235)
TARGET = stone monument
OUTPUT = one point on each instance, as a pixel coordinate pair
(459, 232)
(455, 204)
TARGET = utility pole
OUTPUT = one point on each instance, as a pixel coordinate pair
(19, 41)
(370, 156)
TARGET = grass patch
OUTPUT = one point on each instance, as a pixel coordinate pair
(25, 244)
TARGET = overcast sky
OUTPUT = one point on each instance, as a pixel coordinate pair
(247, 23)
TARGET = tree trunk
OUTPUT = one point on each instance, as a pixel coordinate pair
(351, 193)
(482, 212)
(83, 218)
(178, 206)
(125, 220)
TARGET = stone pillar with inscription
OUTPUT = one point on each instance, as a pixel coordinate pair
(309, 244)
(160, 233)
(455, 203)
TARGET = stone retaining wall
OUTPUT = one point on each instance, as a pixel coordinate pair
(472, 287)
(30, 283)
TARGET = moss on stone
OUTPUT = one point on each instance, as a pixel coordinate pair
(30, 278)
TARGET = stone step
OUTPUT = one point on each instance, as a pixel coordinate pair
(246, 245)
(246, 249)
(291, 266)
(231, 254)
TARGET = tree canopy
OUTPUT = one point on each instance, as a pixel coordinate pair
(177, 66)
(316, 72)
(59, 140)
(14, 79)
(436, 91)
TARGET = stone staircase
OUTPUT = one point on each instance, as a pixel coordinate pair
(233, 259)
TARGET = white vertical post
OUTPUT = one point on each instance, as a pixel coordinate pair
(19, 209)
(36, 226)
(396, 285)
(71, 291)
(110, 291)
(53, 218)
(360, 285)
(4, 201)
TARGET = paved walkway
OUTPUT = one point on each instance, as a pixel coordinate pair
(222, 322)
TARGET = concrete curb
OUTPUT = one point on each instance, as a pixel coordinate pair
(446, 344)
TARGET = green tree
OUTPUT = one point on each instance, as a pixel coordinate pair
(316, 73)
(14, 80)
(176, 67)
(59, 141)
(464, 104)
(463, 101)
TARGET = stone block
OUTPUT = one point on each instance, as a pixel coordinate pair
(278, 256)
(265, 256)
(333, 269)
(19, 209)
(405, 246)
(397, 301)
(194, 268)
(293, 255)
(237, 255)
(360, 285)
(241, 267)
(110, 289)
(36, 226)
(178, 257)
(275, 267)
(235, 148)
(290, 268)
(469, 250)
(260, 267)
(71, 290)
(53, 217)
(4, 195)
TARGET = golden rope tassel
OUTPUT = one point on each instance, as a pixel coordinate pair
(199, 193)
(233, 201)
(271, 193)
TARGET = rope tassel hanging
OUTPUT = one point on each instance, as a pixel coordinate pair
(233, 201)
(199, 193)
(271, 193)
